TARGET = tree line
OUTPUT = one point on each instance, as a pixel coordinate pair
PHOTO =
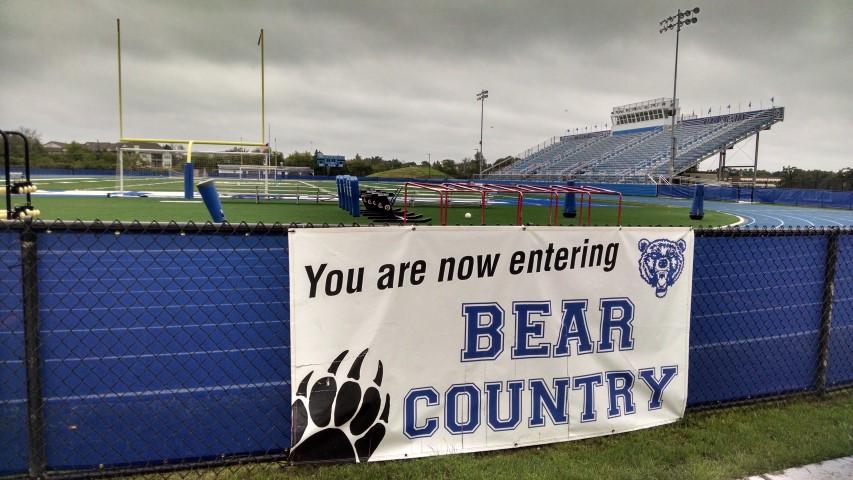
(78, 156)
(795, 177)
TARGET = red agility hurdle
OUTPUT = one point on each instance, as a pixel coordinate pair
(445, 191)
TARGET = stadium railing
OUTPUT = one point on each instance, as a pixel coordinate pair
(128, 348)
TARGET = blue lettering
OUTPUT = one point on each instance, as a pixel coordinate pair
(476, 330)
(587, 384)
(657, 386)
(540, 396)
(573, 328)
(619, 384)
(471, 417)
(616, 313)
(410, 414)
(493, 400)
(525, 328)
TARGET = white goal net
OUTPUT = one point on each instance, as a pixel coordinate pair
(161, 172)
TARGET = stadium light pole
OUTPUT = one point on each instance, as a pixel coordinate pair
(676, 22)
(481, 97)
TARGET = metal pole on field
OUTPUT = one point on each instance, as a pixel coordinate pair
(120, 169)
(261, 44)
(481, 97)
(755, 165)
(676, 22)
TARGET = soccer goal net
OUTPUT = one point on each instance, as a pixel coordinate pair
(162, 172)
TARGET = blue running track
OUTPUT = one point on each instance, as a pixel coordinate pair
(769, 216)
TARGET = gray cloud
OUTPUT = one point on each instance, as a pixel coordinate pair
(398, 78)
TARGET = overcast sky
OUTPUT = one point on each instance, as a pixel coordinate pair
(398, 78)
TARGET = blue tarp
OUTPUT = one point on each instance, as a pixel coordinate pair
(755, 316)
(163, 346)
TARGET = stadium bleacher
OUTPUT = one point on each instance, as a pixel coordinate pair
(636, 155)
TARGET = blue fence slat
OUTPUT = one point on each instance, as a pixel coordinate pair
(13, 386)
(840, 368)
(172, 347)
(755, 316)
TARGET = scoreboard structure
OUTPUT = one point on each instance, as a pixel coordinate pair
(328, 161)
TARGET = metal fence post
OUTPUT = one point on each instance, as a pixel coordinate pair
(32, 347)
(826, 311)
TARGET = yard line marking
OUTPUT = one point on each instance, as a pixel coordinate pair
(303, 182)
(53, 179)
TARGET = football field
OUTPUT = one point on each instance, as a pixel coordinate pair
(96, 197)
(311, 201)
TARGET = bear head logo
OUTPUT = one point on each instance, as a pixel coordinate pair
(661, 263)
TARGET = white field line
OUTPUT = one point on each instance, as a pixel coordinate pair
(803, 219)
(740, 221)
(830, 220)
(322, 189)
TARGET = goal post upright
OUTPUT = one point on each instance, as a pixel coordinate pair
(188, 169)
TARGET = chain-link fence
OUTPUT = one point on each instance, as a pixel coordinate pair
(128, 348)
(772, 314)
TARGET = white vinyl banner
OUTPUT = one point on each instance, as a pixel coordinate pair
(408, 342)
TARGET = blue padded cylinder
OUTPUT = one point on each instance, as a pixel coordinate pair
(697, 211)
(208, 192)
(569, 206)
(188, 181)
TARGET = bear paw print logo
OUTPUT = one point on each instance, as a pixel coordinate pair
(661, 263)
(338, 418)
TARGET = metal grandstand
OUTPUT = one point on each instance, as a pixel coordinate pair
(637, 155)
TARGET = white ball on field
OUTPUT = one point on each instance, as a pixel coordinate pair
(467, 214)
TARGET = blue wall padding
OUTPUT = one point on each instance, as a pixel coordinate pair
(354, 197)
(208, 192)
(743, 341)
(162, 346)
(569, 204)
(13, 380)
(344, 193)
(348, 193)
(188, 181)
(782, 196)
(697, 210)
(840, 370)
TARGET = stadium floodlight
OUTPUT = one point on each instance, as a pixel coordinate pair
(677, 22)
(481, 97)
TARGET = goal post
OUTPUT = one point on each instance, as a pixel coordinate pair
(148, 169)
(188, 167)
(239, 171)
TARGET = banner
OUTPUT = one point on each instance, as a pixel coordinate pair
(409, 342)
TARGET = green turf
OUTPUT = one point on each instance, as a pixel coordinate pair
(410, 172)
(722, 444)
(144, 209)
